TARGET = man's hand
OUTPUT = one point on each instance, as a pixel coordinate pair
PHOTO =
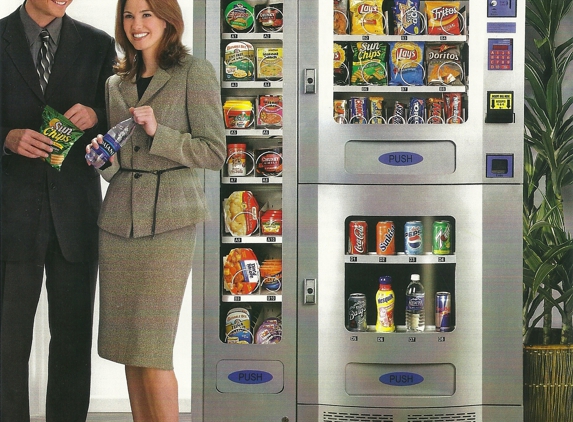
(81, 116)
(28, 142)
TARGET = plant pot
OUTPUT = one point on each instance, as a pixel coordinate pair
(548, 383)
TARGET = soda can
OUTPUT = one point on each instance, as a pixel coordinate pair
(357, 312)
(385, 234)
(443, 311)
(441, 238)
(413, 238)
(358, 238)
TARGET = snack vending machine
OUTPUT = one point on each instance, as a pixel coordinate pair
(363, 262)
(244, 302)
(410, 172)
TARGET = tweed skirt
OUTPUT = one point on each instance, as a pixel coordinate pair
(142, 282)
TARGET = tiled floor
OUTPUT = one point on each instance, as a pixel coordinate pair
(114, 417)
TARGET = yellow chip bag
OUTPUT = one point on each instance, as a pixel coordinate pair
(62, 132)
(367, 17)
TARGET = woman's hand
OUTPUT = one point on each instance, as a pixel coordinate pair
(145, 117)
(95, 144)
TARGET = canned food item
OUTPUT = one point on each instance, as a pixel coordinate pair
(443, 311)
(269, 17)
(413, 238)
(385, 243)
(236, 160)
(238, 326)
(269, 161)
(357, 237)
(357, 312)
(441, 238)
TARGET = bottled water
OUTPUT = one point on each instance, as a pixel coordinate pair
(415, 301)
(113, 140)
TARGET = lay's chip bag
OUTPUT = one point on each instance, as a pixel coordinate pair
(62, 132)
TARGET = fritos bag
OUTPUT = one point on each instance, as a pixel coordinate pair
(62, 132)
(443, 18)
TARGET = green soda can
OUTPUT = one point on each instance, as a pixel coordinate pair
(442, 238)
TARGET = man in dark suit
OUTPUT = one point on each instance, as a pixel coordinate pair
(48, 216)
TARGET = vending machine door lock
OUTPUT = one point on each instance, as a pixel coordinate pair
(309, 291)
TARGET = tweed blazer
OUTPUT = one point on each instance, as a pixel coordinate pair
(187, 105)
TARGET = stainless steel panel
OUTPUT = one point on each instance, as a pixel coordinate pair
(470, 347)
(400, 158)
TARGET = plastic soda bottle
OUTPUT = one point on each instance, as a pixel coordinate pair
(113, 140)
(415, 304)
(385, 306)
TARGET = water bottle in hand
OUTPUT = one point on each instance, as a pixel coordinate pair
(113, 140)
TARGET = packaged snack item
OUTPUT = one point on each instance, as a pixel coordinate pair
(340, 22)
(453, 109)
(435, 111)
(240, 16)
(416, 111)
(269, 64)
(269, 332)
(241, 212)
(444, 62)
(340, 63)
(368, 63)
(340, 111)
(376, 110)
(406, 63)
(272, 274)
(366, 17)
(398, 115)
(407, 17)
(241, 271)
(358, 111)
(443, 17)
(269, 17)
(63, 134)
(270, 111)
(239, 62)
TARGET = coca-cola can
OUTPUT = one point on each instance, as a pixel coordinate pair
(357, 237)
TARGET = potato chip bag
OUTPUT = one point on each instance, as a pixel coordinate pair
(368, 63)
(63, 134)
(367, 17)
(407, 18)
(443, 17)
(444, 62)
(340, 21)
(406, 63)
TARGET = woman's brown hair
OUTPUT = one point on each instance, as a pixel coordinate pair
(171, 49)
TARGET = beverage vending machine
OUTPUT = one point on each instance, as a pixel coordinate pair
(383, 140)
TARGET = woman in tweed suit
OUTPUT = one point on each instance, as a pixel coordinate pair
(154, 200)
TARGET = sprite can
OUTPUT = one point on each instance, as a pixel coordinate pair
(442, 238)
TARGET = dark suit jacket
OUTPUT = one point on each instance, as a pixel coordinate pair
(82, 64)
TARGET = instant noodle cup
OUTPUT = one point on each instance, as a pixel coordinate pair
(63, 134)
(238, 114)
(241, 213)
(241, 271)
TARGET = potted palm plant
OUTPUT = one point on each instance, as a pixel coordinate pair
(547, 245)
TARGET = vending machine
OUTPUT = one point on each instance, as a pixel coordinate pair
(364, 259)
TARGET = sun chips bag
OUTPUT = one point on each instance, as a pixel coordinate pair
(62, 132)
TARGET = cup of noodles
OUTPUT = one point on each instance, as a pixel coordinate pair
(269, 161)
(241, 271)
(238, 114)
(241, 213)
(238, 326)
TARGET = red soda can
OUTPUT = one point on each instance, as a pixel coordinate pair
(357, 237)
(385, 234)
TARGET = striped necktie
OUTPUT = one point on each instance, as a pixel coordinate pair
(45, 60)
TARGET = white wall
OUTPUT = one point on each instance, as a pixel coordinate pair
(109, 392)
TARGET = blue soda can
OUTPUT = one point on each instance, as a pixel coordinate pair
(443, 311)
(413, 238)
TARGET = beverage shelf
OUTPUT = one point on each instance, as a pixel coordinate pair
(400, 258)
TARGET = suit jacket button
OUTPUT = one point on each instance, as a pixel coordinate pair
(136, 148)
(137, 175)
